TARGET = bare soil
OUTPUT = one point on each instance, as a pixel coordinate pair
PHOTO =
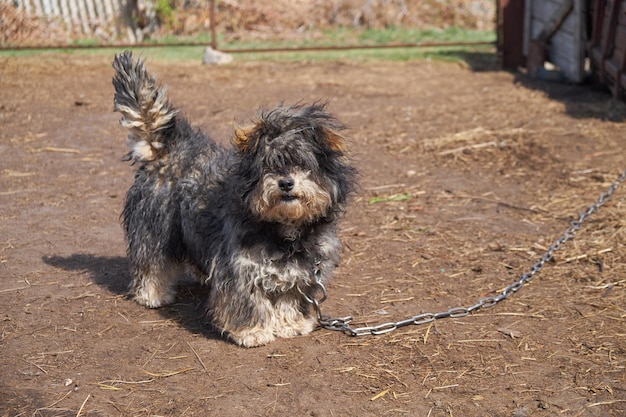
(468, 174)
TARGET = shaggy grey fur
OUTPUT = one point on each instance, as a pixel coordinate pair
(255, 221)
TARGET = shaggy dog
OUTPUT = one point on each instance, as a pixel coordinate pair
(255, 221)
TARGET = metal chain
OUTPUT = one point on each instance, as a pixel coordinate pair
(342, 324)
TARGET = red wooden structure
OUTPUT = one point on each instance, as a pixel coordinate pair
(607, 49)
(604, 36)
(510, 28)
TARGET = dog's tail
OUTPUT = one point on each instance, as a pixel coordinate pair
(145, 109)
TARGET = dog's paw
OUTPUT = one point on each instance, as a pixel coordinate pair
(300, 327)
(252, 337)
(154, 299)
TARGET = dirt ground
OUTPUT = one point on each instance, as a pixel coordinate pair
(468, 174)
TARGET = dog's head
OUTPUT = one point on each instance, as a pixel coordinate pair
(293, 165)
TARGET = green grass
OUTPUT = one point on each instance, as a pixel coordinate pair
(409, 35)
(369, 37)
(336, 37)
(479, 57)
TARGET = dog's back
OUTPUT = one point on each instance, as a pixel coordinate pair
(176, 169)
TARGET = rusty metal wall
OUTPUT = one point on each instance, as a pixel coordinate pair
(562, 26)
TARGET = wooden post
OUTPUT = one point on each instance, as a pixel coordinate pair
(212, 24)
(511, 33)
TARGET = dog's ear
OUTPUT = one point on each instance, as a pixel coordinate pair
(336, 142)
(243, 136)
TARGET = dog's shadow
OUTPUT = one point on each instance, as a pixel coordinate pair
(112, 273)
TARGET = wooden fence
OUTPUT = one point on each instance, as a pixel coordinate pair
(103, 18)
(84, 15)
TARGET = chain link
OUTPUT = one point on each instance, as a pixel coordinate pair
(342, 324)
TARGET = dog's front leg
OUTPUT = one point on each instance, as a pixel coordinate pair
(246, 316)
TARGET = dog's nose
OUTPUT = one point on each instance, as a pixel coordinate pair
(286, 184)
